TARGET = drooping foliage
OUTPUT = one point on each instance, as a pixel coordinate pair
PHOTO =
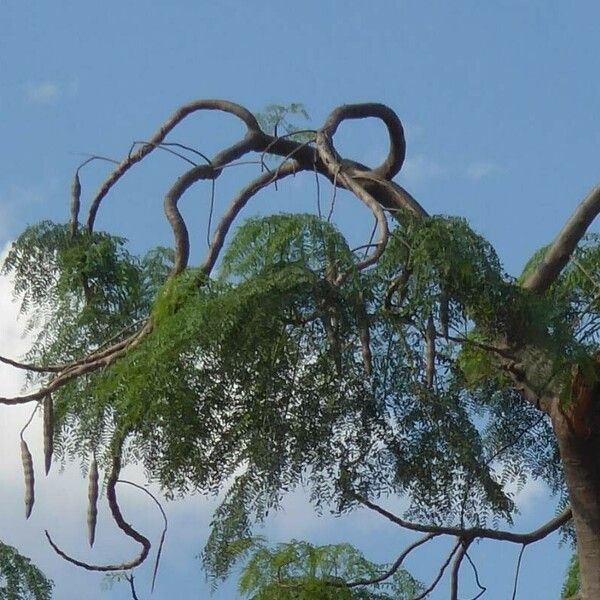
(20, 579)
(290, 366)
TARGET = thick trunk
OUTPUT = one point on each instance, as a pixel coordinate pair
(580, 455)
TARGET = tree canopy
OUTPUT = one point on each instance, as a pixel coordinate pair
(412, 365)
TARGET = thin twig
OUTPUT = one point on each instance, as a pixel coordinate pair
(129, 578)
(482, 588)
(165, 521)
(164, 148)
(28, 420)
(333, 196)
(514, 594)
(395, 566)
(440, 573)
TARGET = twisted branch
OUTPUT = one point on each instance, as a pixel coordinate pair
(124, 526)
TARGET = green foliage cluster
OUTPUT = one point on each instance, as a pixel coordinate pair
(20, 579)
(82, 290)
(298, 570)
(255, 379)
(275, 119)
(571, 585)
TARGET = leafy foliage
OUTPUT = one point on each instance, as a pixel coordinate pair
(298, 570)
(256, 379)
(276, 119)
(20, 579)
(571, 584)
(82, 290)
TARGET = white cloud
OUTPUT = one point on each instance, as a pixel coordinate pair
(46, 92)
(420, 168)
(481, 169)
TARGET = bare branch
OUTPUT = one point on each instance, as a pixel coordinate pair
(87, 365)
(514, 594)
(440, 573)
(255, 186)
(129, 579)
(333, 162)
(165, 525)
(563, 246)
(464, 545)
(473, 532)
(397, 151)
(482, 588)
(123, 525)
(30, 367)
(395, 566)
(184, 111)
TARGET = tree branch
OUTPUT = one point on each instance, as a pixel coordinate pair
(563, 246)
(123, 525)
(473, 532)
(395, 566)
(462, 551)
(184, 111)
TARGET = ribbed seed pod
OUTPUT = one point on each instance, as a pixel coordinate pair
(48, 432)
(29, 478)
(92, 513)
(75, 202)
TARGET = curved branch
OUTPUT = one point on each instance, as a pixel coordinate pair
(474, 532)
(285, 170)
(482, 588)
(440, 574)
(395, 566)
(333, 162)
(462, 551)
(211, 171)
(123, 525)
(397, 152)
(30, 367)
(87, 365)
(187, 109)
(564, 244)
(164, 531)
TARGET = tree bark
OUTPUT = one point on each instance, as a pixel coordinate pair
(580, 456)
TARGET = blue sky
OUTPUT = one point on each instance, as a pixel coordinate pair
(501, 106)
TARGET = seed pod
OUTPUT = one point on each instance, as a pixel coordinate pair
(75, 202)
(430, 352)
(29, 478)
(364, 336)
(48, 432)
(92, 513)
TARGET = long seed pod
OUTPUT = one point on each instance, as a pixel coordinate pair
(75, 202)
(92, 513)
(430, 352)
(364, 336)
(48, 432)
(29, 478)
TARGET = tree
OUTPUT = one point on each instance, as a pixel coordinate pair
(410, 365)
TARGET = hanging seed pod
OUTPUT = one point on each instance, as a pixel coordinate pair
(29, 478)
(75, 202)
(48, 432)
(364, 336)
(444, 318)
(430, 352)
(92, 513)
